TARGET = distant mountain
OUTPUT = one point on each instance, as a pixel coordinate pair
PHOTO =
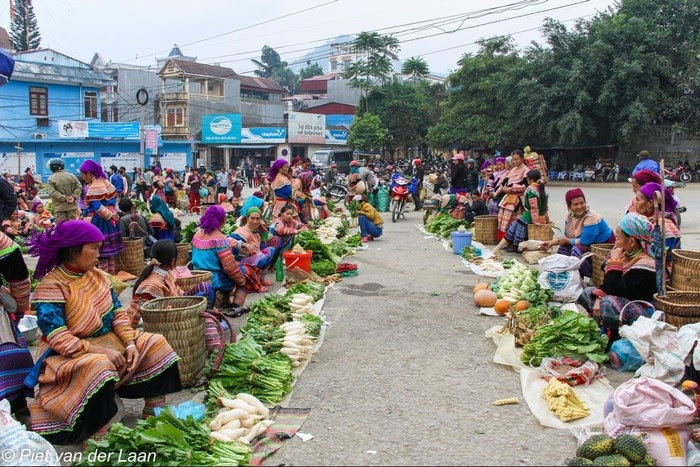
(319, 55)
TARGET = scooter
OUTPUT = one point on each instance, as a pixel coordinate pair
(681, 174)
(671, 186)
(400, 190)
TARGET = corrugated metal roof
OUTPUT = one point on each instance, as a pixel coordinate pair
(328, 77)
(67, 74)
(202, 69)
(260, 84)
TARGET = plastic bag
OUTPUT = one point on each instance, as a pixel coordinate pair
(624, 357)
(534, 257)
(22, 447)
(560, 274)
(182, 411)
(582, 372)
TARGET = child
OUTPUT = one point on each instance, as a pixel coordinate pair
(287, 225)
(477, 208)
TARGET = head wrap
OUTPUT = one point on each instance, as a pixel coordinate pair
(92, 167)
(274, 170)
(574, 193)
(647, 176)
(156, 171)
(250, 211)
(638, 227)
(357, 198)
(486, 165)
(48, 245)
(212, 219)
(251, 202)
(158, 206)
(168, 171)
(258, 194)
(36, 204)
(649, 189)
(296, 160)
(500, 160)
(221, 198)
(458, 157)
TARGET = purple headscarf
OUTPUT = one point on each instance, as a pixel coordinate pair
(499, 160)
(36, 203)
(156, 171)
(486, 165)
(48, 245)
(649, 189)
(274, 170)
(92, 167)
(212, 219)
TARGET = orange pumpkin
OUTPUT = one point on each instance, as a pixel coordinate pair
(482, 286)
(522, 305)
(502, 307)
(485, 298)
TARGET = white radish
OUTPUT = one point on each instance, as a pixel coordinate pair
(268, 423)
(291, 345)
(233, 425)
(288, 351)
(238, 404)
(296, 363)
(220, 437)
(253, 432)
(248, 422)
(255, 402)
(233, 434)
(291, 325)
(231, 415)
(215, 424)
(296, 332)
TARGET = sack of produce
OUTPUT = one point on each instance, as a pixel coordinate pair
(560, 274)
(383, 199)
(659, 412)
(571, 371)
(624, 357)
(22, 447)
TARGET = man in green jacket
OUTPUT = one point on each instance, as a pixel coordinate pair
(64, 189)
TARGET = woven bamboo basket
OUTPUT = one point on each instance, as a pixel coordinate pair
(600, 251)
(486, 229)
(180, 321)
(131, 260)
(189, 283)
(541, 232)
(686, 270)
(681, 308)
(183, 253)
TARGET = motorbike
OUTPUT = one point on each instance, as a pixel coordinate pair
(680, 174)
(671, 186)
(338, 190)
(400, 190)
(613, 174)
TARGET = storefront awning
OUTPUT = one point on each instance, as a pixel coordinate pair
(244, 146)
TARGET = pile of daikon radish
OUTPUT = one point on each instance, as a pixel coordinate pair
(297, 344)
(327, 232)
(242, 419)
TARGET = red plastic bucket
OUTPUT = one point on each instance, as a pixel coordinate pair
(297, 260)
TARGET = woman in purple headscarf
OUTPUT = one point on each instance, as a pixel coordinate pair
(281, 185)
(89, 351)
(499, 171)
(645, 206)
(101, 199)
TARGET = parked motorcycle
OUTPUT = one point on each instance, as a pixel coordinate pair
(400, 191)
(682, 173)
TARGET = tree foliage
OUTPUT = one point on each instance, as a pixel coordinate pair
(269, 64)
(310, 70)
(24, 29)
(367, 133)
(415, 67)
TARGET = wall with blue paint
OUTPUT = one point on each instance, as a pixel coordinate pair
(65, 102)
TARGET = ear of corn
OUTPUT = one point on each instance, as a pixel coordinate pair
(563, 401)
(510, 400)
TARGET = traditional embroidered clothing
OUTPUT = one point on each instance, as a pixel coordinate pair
(76, 387)
(491, 185)
(159, 185)
(162, 220)
(534, 212)
(212, 252)
(282, 188)
(100, 199)
(268, 246)
(583, 232)
(511, 205)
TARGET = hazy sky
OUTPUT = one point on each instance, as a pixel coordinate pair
(121, 30)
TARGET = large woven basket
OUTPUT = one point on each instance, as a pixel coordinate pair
(131, 260)
(486, 229)
(600, 251)
(189, 283)
(180, 321)
(681, 308)
(183, 253)
(541, 232)
(686, 270)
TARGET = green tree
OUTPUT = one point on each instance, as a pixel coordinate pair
(24, 30)
(367, 133)
(375, 62)
(286, 78)
(415, 67)
(269, 64)
(310, 70)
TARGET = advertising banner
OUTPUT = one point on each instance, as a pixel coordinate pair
(262, 135)
(128, 160)
(336, 137)
(307, 128)
(72, 160)
(173, 160)
(71, 129)
(151, 141)
(221, 128)
(8, 162)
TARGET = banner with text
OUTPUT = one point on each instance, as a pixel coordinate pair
(173, 160)
(72, 129)
(128, 160)
(336, 137)
(8, 162)
(72, 160)
(221, 128)
(307, 128)
(262, 135)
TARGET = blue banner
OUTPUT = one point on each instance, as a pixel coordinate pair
(261, 135)
(221, 128)
(120, 130)
(336, 137)
(339, 120)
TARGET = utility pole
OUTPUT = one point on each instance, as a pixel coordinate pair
(19, 162)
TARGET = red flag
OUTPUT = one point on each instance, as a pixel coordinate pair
(12, 10)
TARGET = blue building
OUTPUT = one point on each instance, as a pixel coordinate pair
(51, 108)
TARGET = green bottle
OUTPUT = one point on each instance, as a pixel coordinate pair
(279, 270)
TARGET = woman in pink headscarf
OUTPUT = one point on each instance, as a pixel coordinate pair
(511, 188)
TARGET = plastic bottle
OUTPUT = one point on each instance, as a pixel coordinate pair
(279, 270)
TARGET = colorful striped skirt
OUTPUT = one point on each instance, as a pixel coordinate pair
(112, 244)
(611, 309)
(517, 232)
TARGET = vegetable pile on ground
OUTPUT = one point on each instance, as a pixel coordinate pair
(314, 289)
(174, 441)
(247, 368)
(188, 232)
(442, 225)
(603, 450)
(469, 253)
(516, 282)
(563, 401)
(569, 335)
(241, 418)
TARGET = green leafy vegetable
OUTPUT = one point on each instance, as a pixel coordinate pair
(188, 232)
(312, 323)
(442, 225)
(324, 267)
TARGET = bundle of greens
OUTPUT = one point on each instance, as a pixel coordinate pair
(314, 289)
(188, 232)
(142, 208)
(246, 368)
(270, 337)
(469, 253)
(271, 310)
(343, 230)
(19, 240)
(569, 335)
(353, 208)
(312, 243)
(538, 315)
(354, 240)
(312, 323)
(230, 225)
(538, 296)
(171, 440)
(339, 248)
(324, 267)
(330, 204)
(443, 225)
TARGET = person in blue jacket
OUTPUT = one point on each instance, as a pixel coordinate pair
(117, 181)
(646, 163)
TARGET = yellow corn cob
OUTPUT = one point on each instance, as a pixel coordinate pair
(510, 400)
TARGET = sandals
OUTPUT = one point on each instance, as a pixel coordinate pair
(235, 312)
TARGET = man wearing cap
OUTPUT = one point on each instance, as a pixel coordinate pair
(646, 163)
(458, 180)
(64, 190)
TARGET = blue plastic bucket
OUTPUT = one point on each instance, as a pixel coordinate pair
(460, 240)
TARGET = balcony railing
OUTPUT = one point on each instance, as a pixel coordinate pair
(174, 96)
(175, 131)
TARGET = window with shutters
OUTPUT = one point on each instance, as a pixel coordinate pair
(90, 104)
(38, 101)
(179, 117)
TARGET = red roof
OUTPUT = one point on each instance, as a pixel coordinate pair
(317, 84)
(202, 69)
(331, 108)
(253, 83)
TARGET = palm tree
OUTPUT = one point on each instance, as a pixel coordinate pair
(416, 68)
